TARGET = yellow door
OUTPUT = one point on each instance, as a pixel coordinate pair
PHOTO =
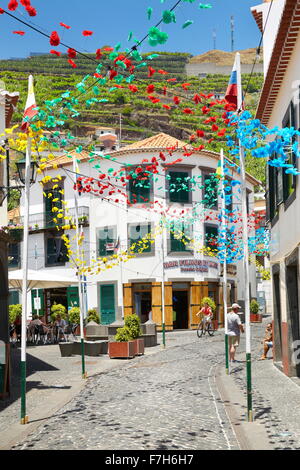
(127, 299)
(156, 304)
(195, 303)
(168, 306)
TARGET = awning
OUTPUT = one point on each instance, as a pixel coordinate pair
(39, 280)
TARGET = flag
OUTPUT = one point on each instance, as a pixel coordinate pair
(30, 108)
(117, 245)
(234, 94)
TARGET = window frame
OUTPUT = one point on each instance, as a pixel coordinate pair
(208, 174)
(129, 182)
(130, 240)
(114, 239)
(178, 169)
(206, 226)
(55, 236)
(187, 250)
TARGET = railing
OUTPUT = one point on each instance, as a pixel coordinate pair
(44, 220)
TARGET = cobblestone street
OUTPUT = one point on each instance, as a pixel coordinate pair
(164, 401)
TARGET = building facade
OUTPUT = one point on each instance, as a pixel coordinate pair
(111, 226)
(279, 106)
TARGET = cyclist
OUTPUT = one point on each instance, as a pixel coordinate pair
(207, 313)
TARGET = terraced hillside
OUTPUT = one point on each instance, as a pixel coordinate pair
(140, 117)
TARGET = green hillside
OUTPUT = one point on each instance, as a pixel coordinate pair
(140, 117)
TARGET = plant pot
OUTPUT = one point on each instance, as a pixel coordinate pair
(255, 317)
(66, 349)
(77, 331)
(121, 349)
(139, 347)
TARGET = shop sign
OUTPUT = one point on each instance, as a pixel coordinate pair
(191, 265)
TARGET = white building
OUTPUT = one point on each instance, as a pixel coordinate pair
(279, 106)
(136, 286)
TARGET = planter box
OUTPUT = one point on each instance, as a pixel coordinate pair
(139, 347)
(77, 331)
(255, 317)
(121, 349)
(66, 349)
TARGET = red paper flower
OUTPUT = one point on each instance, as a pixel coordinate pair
(185, 85)
(166, 106)
(72, 63)
(214, 127)
(87, 33)
(197, 99)
(133, 88)
(151, 71)
(1, 11)
(200, 133)
(72, 53)
(54, 39)
(150, 88)
(55, 52)
(25, 3)
(13, 5)
(31, 11)
(172, 80)
(188, 111)
(65, 25)
(112, 74)
(162, 72)
(108, 49)
(21, 33)
(98, 54)
(176, 100)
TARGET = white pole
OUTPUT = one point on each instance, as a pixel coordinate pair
(246, 250)
(36, 291)
(78, 271)
(24, 417)
(163, 223)
(224, 238)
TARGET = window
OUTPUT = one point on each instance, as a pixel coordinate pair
(289, 180)
(56, 251)
(53, 198)
(106, 241)
(210, 191)
(14, 255)
(211, 237)
(137, 233)
(140, 189)
(179, 186)
(180, 237)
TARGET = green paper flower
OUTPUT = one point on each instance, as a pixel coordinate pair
(168, 17)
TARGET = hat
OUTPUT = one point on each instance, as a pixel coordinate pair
(235, 306)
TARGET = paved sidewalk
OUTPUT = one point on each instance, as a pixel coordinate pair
(276, 400)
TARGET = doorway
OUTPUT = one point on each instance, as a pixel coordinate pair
(142, 301)
(180, 310)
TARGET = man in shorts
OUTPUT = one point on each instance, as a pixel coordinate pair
(235, 328)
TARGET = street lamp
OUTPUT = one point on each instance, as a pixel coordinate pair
(21, 171)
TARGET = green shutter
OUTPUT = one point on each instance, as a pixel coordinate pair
(105, 236)
(211, 237)
(107, 304)
(139, 190)
(177, 244)
(72, 297)
(210, 191)
(144, 230)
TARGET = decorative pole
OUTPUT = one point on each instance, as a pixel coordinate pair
(24, 417)
(223, 209)
(163, 282)
(81, 302)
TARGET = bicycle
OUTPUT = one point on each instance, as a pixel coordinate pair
(209, 328)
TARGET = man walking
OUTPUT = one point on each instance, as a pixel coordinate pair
(235, 328)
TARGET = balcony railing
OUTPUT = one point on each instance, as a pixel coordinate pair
(44, 220)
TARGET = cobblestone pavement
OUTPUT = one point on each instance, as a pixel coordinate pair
(164, 401)
(276, 398)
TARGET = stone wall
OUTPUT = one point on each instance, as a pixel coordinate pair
(4, 336)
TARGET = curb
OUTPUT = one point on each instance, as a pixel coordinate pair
(250, 436)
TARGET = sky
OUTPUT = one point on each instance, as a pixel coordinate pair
(112, 20)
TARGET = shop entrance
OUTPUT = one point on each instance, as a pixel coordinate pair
(142, 301)
(180, 309)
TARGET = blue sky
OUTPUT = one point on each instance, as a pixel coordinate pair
(111, 21)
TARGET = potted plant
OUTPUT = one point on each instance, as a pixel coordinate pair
(212, 305)
(255, 317)
(123, 346)
(133, 323)
(58, 309)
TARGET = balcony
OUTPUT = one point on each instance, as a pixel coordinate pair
(44, 220)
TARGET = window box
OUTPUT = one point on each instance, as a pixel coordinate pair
(121, 349)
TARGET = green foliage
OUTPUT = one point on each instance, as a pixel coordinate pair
(210, 302)
(58, 309)
(133, 322)
(254, 306)
(93, 315)
(74, 315)
(123, 334)
(13, 199)
(13, 311)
